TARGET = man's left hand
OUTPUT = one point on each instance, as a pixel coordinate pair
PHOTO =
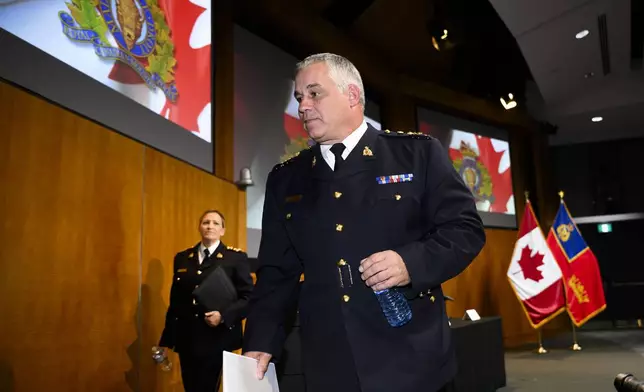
(384, 270)
(213, 318)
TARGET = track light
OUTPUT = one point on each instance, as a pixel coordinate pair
(510, 104)
(582, 34)
(442, 37)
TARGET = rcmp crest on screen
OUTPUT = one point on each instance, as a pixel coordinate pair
(141, 33)
(474, 174)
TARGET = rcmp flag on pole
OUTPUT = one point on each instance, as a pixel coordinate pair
(582, 280)
(534, 274)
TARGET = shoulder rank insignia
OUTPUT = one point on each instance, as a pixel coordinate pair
(367, 152)
(413, 135)
(396, 178)
(290, 160)
(234, 249)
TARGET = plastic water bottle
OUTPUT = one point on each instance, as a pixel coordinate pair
(159, 356)
(395, 307)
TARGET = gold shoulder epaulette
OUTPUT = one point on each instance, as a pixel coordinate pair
(234, 249)
(413, 135)
(289, 160)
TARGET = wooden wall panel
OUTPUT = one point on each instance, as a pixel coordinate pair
(175, 196)
(69, 249)
(91, 223)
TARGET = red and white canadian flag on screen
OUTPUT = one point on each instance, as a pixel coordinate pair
(189, 22)
(534, 274)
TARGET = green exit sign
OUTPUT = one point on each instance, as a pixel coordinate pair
(605, 228)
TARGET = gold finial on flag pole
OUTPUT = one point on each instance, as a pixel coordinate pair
(527, 194)
(541, 350)
(561, 194)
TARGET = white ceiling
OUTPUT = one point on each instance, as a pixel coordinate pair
(545, 31)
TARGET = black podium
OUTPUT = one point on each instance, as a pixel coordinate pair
(479, 353)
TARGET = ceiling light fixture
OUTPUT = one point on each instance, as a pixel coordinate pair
(442, 37)
(582, 34)
(597, 119)
(510, 104)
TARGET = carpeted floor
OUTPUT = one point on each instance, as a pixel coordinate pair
(604, 354)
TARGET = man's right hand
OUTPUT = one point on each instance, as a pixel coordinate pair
(262, 362)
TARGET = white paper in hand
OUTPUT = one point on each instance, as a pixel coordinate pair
(239, 374)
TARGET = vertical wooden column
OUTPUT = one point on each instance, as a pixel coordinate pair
(223, 94)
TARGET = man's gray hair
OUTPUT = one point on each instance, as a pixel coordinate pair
(341, 70)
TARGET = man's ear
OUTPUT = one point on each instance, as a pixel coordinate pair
(354, 95)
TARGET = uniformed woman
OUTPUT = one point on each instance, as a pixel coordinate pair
(197, 335)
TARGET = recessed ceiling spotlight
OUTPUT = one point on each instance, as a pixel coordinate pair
(589, 75)
(582, 34)
(597, 119)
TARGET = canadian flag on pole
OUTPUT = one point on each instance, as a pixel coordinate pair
(534, 274)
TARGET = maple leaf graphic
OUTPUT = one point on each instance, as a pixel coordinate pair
(501, 182)
(530, 263)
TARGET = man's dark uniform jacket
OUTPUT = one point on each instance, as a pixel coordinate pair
(185, 329)
(394, 191)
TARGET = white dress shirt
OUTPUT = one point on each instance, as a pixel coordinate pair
(349, 142)
(211, 249)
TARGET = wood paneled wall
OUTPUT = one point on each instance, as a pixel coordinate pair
(91, 221)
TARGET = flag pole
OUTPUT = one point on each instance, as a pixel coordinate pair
(575, 345)
(541, 350)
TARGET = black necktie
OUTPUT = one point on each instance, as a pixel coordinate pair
(337, 150)
(206, 254)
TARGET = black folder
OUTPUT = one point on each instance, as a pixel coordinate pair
(216, 292)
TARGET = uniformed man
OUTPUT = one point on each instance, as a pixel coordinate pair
(359, 212)
(197, 335)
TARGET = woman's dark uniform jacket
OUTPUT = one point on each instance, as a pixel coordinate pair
(185, 328)
(323, 223)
